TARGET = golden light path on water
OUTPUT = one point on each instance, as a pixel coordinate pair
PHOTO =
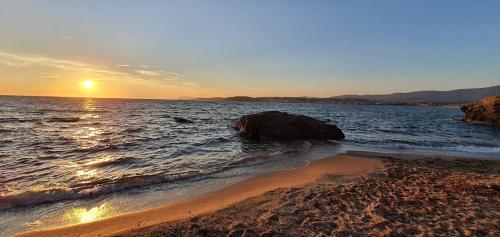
(83, 215)
(74, 216)
(85, 138)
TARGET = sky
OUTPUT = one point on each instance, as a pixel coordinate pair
(187, 49)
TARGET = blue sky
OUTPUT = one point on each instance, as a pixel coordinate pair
(258, 48)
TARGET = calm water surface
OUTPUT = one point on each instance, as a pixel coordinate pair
(73, 160)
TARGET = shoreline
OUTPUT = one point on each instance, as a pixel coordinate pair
(412, 196)
(377, 193)
(339, 165)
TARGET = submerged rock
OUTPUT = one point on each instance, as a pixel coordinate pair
(64, 120)
(485, 110)
(275, 125)
(182, 120)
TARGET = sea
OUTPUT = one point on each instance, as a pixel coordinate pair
(66, 161)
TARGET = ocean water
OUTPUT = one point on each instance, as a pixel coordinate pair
(73, 160)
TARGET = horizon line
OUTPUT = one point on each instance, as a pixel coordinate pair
(215, 97)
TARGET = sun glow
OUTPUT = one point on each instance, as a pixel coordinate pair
(88, 84)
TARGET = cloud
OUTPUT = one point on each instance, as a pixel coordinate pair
(149, 73)
(121, 71)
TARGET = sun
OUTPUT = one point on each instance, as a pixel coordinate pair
(88, 84)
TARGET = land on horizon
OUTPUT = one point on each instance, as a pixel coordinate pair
(426, 98)
(429, 97)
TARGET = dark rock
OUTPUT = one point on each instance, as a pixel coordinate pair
(64, 120)
(485, 110)
(275, 125)
(182, 120)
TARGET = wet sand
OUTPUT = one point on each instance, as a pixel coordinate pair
(345, 167)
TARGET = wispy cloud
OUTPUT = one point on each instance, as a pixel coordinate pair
(121, 71)
(149, 73)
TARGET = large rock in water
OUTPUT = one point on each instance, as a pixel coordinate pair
(485, 110)
(280, 126)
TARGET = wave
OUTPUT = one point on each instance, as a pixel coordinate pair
(5, 141)
(63, 119)
(48, 157)
(253, 159)
(18, 120)
(210, 141)
(94, 189)
(106, 186)
(103, 147)
(459, 148)
(107, 161)
(250, 159)
(132, 130)
(72, 111)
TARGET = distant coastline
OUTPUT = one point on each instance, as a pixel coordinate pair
(452, 98)
(348, 101)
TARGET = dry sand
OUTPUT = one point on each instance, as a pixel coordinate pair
(338, 166)
(418, 197)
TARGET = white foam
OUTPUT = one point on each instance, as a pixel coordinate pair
(460, 148)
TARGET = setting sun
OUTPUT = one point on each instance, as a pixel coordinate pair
(88, 84)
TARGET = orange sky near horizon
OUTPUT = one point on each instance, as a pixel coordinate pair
(101, 89)
(37, 75)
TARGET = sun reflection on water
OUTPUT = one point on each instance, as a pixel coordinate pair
(99, 161)
(87, 174)
(89, 105)
(83, 215)
(87, 137)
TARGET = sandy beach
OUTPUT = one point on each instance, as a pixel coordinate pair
(345, 195)
(249, 118)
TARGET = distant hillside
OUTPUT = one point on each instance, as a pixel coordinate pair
(453, 97)
(437, 97)
(292, 100)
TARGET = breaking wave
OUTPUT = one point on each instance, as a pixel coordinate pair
(459, 148)
(105, 186)
(94, 189)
